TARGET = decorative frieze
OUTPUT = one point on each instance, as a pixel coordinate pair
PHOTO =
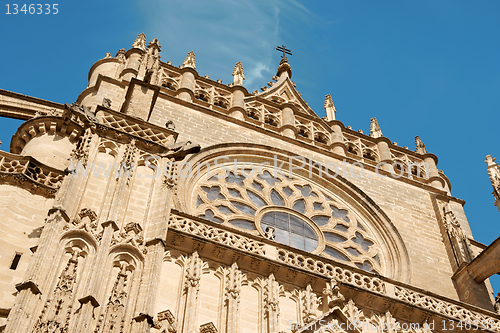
(216, 235)
(445, 308)
(85, 220)
(340, 274)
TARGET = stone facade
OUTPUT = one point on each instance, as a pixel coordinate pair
(163, 201)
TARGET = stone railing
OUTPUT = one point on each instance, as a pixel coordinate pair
(331, 271)
(448, 309)
(216, 235)
(29, 174)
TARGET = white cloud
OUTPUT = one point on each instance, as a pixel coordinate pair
(221, 33)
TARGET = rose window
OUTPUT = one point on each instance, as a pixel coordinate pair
(292, 211)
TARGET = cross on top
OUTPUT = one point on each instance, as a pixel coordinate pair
(283, 49)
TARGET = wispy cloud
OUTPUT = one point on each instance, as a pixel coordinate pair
(221, 33)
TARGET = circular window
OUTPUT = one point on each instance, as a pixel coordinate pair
(290, 230)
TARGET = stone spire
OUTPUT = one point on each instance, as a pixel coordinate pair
(330, 108)
(140, 42)
(238, 74)
(494, 173)
(419, 146)
(154, 47)
(190, 60)
(375, 131)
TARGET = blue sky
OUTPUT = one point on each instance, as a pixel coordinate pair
(427, 68)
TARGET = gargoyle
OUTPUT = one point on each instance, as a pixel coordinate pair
(89, 116)
(180, 150)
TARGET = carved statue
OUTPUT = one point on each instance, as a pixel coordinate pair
(190, 60)
(419, 146)
(148, 75)
(332, 293)
(238, 74)
(270, 233)
(497, 303)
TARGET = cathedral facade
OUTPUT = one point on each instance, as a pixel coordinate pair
(164, 201)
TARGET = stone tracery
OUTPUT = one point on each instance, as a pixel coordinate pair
(301, 214)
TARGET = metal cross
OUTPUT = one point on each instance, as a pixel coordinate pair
(283, 49)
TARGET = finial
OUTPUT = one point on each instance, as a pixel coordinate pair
(238, 74)
(140, 42)
(419, 146)
(108, 55)
(120, 55)
(284, 67)
(490, 160)
(330, 108)
(190, 60)
(154, 47)
(375, 131)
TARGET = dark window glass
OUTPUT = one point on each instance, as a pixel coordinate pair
(318, 206)
(213, 193)
(353, 251)
(243, 224)
(341, 227)
(291, 230)
(321, 220)
(224, 210)
(365, 244)
(209, 215)
(244, 208)
(340, 213)
(335, 253)
(232, 178)
(257, 186)
(288, 191)
(268, 177)
(15, 261)
(300, 206)
(276, 198)
(366, 266)
(331, 237)
(234, 193)
(256, 199)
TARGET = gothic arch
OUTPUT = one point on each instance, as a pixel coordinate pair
(82, 235)
(395, 260)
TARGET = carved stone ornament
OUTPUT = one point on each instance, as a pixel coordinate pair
(190, 60)
(140, 42)
(419, 146)
(238, 74)
(375, 131)
(131, 234)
